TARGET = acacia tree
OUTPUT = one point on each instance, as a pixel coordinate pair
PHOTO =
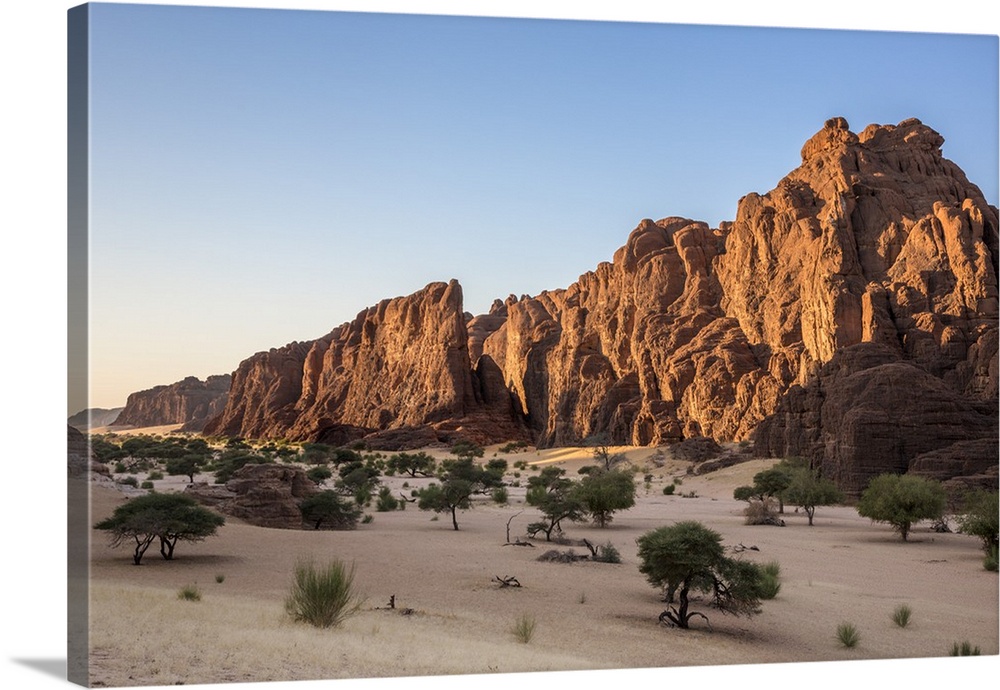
(604, 492)
(688, 556)
(768, 483)
(901, 500)
(187, 465)
(556, 497)
(168, 517)
(808, 490)
(330, 509)
(602, 451)
(413, 464)
(460, 479)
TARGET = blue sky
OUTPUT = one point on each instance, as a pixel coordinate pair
(261, 176)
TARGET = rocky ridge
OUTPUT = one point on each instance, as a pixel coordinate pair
(848, 315)
(190, 402)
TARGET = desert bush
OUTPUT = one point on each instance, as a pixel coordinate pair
(607, 553)
(189, 593)
(500, 495)
(367, 519)
(848, 635)
(981, 518)
(329, 509)
(130, 480)
(524, 628)
(901, 616)
(771, 581)
(991, 561)
(220, 578)
(964, 649)
(386, 501)
(148, 485)
(669, 489)
(322, 596)
(319, 474)
(761, 512)
(154, 475)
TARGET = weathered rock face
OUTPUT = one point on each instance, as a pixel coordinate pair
(874, 239)
(867, 412)
(264, 495)
(190, 402)
(402, 364)
(869, 273)
(693, 331)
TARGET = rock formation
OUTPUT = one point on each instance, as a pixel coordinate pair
(190, 402)
(849, 315)
(266, 495)
(80, 461)
(401, 365)
(94, 417)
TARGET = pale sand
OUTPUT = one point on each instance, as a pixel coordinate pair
(589, 615)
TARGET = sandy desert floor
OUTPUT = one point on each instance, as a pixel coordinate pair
(589, 615)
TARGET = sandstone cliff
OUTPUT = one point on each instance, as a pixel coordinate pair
(190, 402)
(849, 314)
(402, 364)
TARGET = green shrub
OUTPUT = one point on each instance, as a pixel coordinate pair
(146, 485)
(130, 480)
(669, 489)
(901, 501)
(901, 616)
(848, 635)
(991, 560)
(220, 578)
(386, 501)
(500, 495)
(770, 583)
(607, 553)
(189, 593)
(322, 596)
(524, 628)
(964, 649)
(368, 519)
(154, 475)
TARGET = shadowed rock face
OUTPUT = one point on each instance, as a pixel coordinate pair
(868, 274)
(190, 402)
(264, 495)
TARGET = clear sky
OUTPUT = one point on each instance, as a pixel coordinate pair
(260, 176)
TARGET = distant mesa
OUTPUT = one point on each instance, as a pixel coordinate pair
(849, 315)
(190, 402)
(94, 417)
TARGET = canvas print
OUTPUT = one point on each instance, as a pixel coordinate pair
(406, 346)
